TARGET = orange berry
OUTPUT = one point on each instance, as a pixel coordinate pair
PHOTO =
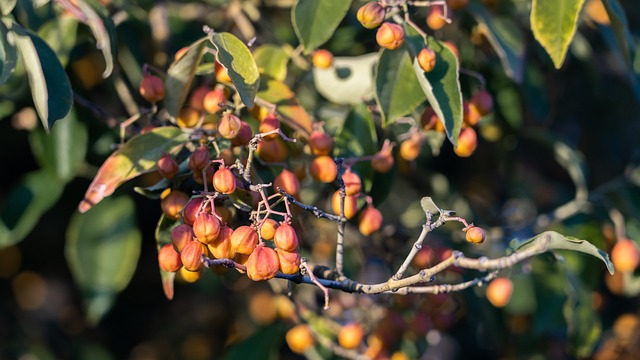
(244, 240)
(191, 255)
(435, 18)
(224, 181)
(300, 338)
(285, 237)
(206, 228)
(272, 150)
(152, 88)
(169, 259)
(371, 15)
(625, 255)
(220, 247)
(188, 118)
(189, 276)
(167, 166)
(323, 169)
(222, 75)
(383, 161)
(352, 182)
(199, 158)
(320, 142)
(196, 99)
(471, 116)
(427, 59)
(410, 148)
(475, 235)
(390, 36)
(483, 102)
(270, 123)
(322, 59)
(212, 99)
(467, 142)
(181, 235)
(288, 182)
(499, 292)
(289, 261)
(370, 221)
(180, 53)
(190, 211)
(268, 229)
(350, 205)
(263, 264)
(243, 137)
(229, 126)
(350, 336)
(173, 203)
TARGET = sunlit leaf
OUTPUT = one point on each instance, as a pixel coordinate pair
(163, 237)
(315, 21)
(179, 77)
(6, 7)
(50, 87)
(278, 93)
(23, 207)
(554, 22)
(138, 156)
(397, 90)
(442, 84)
(552, 240)
(235, 56)
(102, 250)
(348, 81)
(272, 60)
(8, 54)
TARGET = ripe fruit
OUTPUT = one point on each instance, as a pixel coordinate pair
(206, 228)
(224, 181)
(191, 255)
(188, 118)
(212, 99)
(220, 247)
(483, 102)
(244, 239)
(320, 142)
(471, 116)
(475, 235)
(350, 205)
(467, 142)
(499, 292)
(243, 137)
(263, 264)
(268, 229)
(595, 10)
(270, 123)
(180, 53)
(173, 203)
(371, 15)
(288, 182)
(169, 259)
(222, 75)
(189, 276)
(196, 99)
(322, 59)
(410, 148)
(435, 18)
(625, 255)
(181, 235)
(427, 59)
(289, 261)
(352, 182)
(272, 150)
(190, 211)
(370, 221)
(199, 158)
(167, 166)
(390, 36)
(323, 169)
(152, 88)
(229, 126)
(350, 336)
(382, 162)
(300, 338)
(285, 237)
(429, 119)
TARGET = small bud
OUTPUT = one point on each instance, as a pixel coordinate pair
(199, 158)
(320, 143)
(167, 166)
(322, 59)
(475, 235)
(152, 88)
(370, 221)
(224, 181)
(169, 259)
(371, 15)
(427, 59)
(390, 36)
(229, 126)
(352, 182)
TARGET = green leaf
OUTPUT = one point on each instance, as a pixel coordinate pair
(429, 206)
(235, 56)
(60, 35)
(8, 54)
(620, 27)
(357, 137)
(554, 22)
(140, 155)
(552, 240)
(583, 324)
(397, 89)
(314, 22)
(272, 61)
(50, 87)
(278, 93)
(102, 250)
(6, 6)
(179, 77)
(103, 29)
(62, 152)
(348, 81)
(163, 237)
(442, 84)
(505, 37)
(36, 193)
